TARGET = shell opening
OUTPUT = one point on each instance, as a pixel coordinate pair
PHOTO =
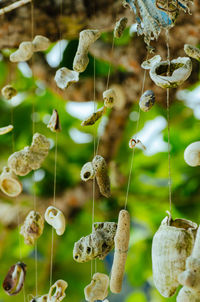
(163, 69)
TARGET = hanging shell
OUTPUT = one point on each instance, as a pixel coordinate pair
(120, 27)
(14, 279)
(32, 228)
(192, 154)
(57, 291)
(24, 53)
(87, 172)
(136, 142)
(54, 122)
(40, 43)
(9, 183)
(5, 130)
(172, 244)
(8, 92)
(98, 288)
(65, 77)
(148, 64)
(147, 100)
(109, 97)
(56, 219)
(180, 70)
(91, 120)
(101, 174)
(96, 245)
(192, 51)
(40, 299)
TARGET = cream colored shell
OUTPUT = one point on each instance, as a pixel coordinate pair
(192, 154)
(59, 287)
(98, 288)
(56, 219)
(87, 172)
(148, 64)
(109, 97)
(65, 77)
(9, 183)
(185, 295)
(32, 228)
(24, 53)
(40, 43)
(5, 130)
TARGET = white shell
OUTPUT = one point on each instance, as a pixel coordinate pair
(87, 172)
(9, 183)
(192, 51)
(56, 219)
(40, 43)
(23, 53)
(192, 154)
(59, 287)
(148, 64)
(65, 77)
(109, 97)
(7, 129)
(98, 288)
(8, 92)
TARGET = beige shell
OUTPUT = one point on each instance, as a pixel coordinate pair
(8, 92)
(147, 100)
(192, 51)
(192, 154)
(91, 120)
(64, 77)
(86, 38)
(87, 172)
(54, 122)
(109, 97)
(185, 295)
(172, 244)
(98, 288)
(5, 130)
(32, 228)
(9, 183)
(57, 291)
(148, 64)
(120, 27)
(24, 53)
(180, 70)
(19, 162)
(56, 219)
(40, 43)
(101, 174)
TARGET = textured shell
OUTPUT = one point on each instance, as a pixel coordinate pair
(120, 27)
(5, 130)
(32, 228)
(192, 51)
(42, 298)
(19, 162)
(101, 174)
(59, 287)
(98, 288)
(56, 219)
(91, 120)
(65, 77)
(8, 92)
(14, 279)
(147, 100)
(9, 183)
(192, 154)
(54, 122)
(185, 295)
(24, 53)
(40, 43)
(109, 97)
(180, 70)
(148, 64)
(96, 245)
(87, 171)
(172, 244)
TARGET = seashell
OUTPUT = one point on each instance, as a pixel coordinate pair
(172, 244)
(14, 279)
(98, 288)
(96, 245)
(185, 295)
(180, 70)
(109, 97)
(192, 51)
(54, 122)
(86, 38)
(5, 130)
(120, 27)
(147, 100)
(40, 299)
(32, 228)
(87, 172)
(40, 43)
(170, 7)
(148, 64)
(56, 219)
(19, 162)
(121, 249)
(101, 174)
(65, 77)
(57, 291)
(94, 117)
(23, 53)
(136, 142)
(192, 154)
(8, 92)
(9, 183)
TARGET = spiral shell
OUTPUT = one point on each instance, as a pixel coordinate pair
(192, 154)
(9, 183)
(56, 219)
(98, 288)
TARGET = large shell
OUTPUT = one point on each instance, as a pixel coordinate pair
(8, 92)
(9, 183)
(65, 77)
(172, 244)
(147, 100)
(192, 154)
(98, 288)
(101, 174)
(14, 279)
(32, 228)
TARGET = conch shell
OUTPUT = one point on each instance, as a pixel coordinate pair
(192, 154)
(9, 183)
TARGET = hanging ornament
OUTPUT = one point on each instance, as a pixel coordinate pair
(120, 27)
(65, 77)
(147, 100)
(32, 228)
(14, 279)
(56, 219)
(98, 288)
(192, 154)
(109, 97)
(9, 183)
(57, 291)
(54, 122)
(91, 120)
(136, 142)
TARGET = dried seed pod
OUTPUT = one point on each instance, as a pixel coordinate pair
(86, 38)
(14, 279)
(40, 299)
(136, 142)
(5, 130)
(56, 219)
(98, 288)
(109, 97)
(101, 174)
(120, 27)
(148, 64)
(96, 245)
(9, 183)
(147, 100)
(94, 117)
(23, 53)
(192, 51)
(121, 249)
(172, 244)
(32, 228)
(40, 43)
(87, 171)
(192, 154)
(59, 288)
(65, 77)
(8, 92)
(179, 70)
(54, 122)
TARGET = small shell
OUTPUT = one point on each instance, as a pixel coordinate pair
(98, 288)
(8, 92)
(40, 299)
(65, 77)
(56, 219)
(32, 228)
(5, 130)
(14, 279)
(192, 51)
(40, 43)
(87, 172)
(24, 53)
(59, 288)
(180, 70)
(120, 27)
(101, 174)
(192, 154)
(109, 97)
(94, 117)
(148, 64)
(9, 183)
(147, 100)
(19, 162)
(136, 142)
(54, 122)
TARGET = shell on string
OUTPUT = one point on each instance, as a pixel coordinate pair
(192, 51)
(148, 64)
(109, 97)
(147, 100)
(42, 298)
(57, 291)
(23, 53)
(56, 219)
(54, 122)
(40, 43)
(120, 27)
(14, 279)
(6, 129)
(101, 174)
(172, 244)
(136, 142)
(87, 172)
(64, 77)
(19, 162)
(32, 228)
(98, 288)
(91, 120)
(179, 71)
(9, 183)
(192, 154)
(8, 92)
